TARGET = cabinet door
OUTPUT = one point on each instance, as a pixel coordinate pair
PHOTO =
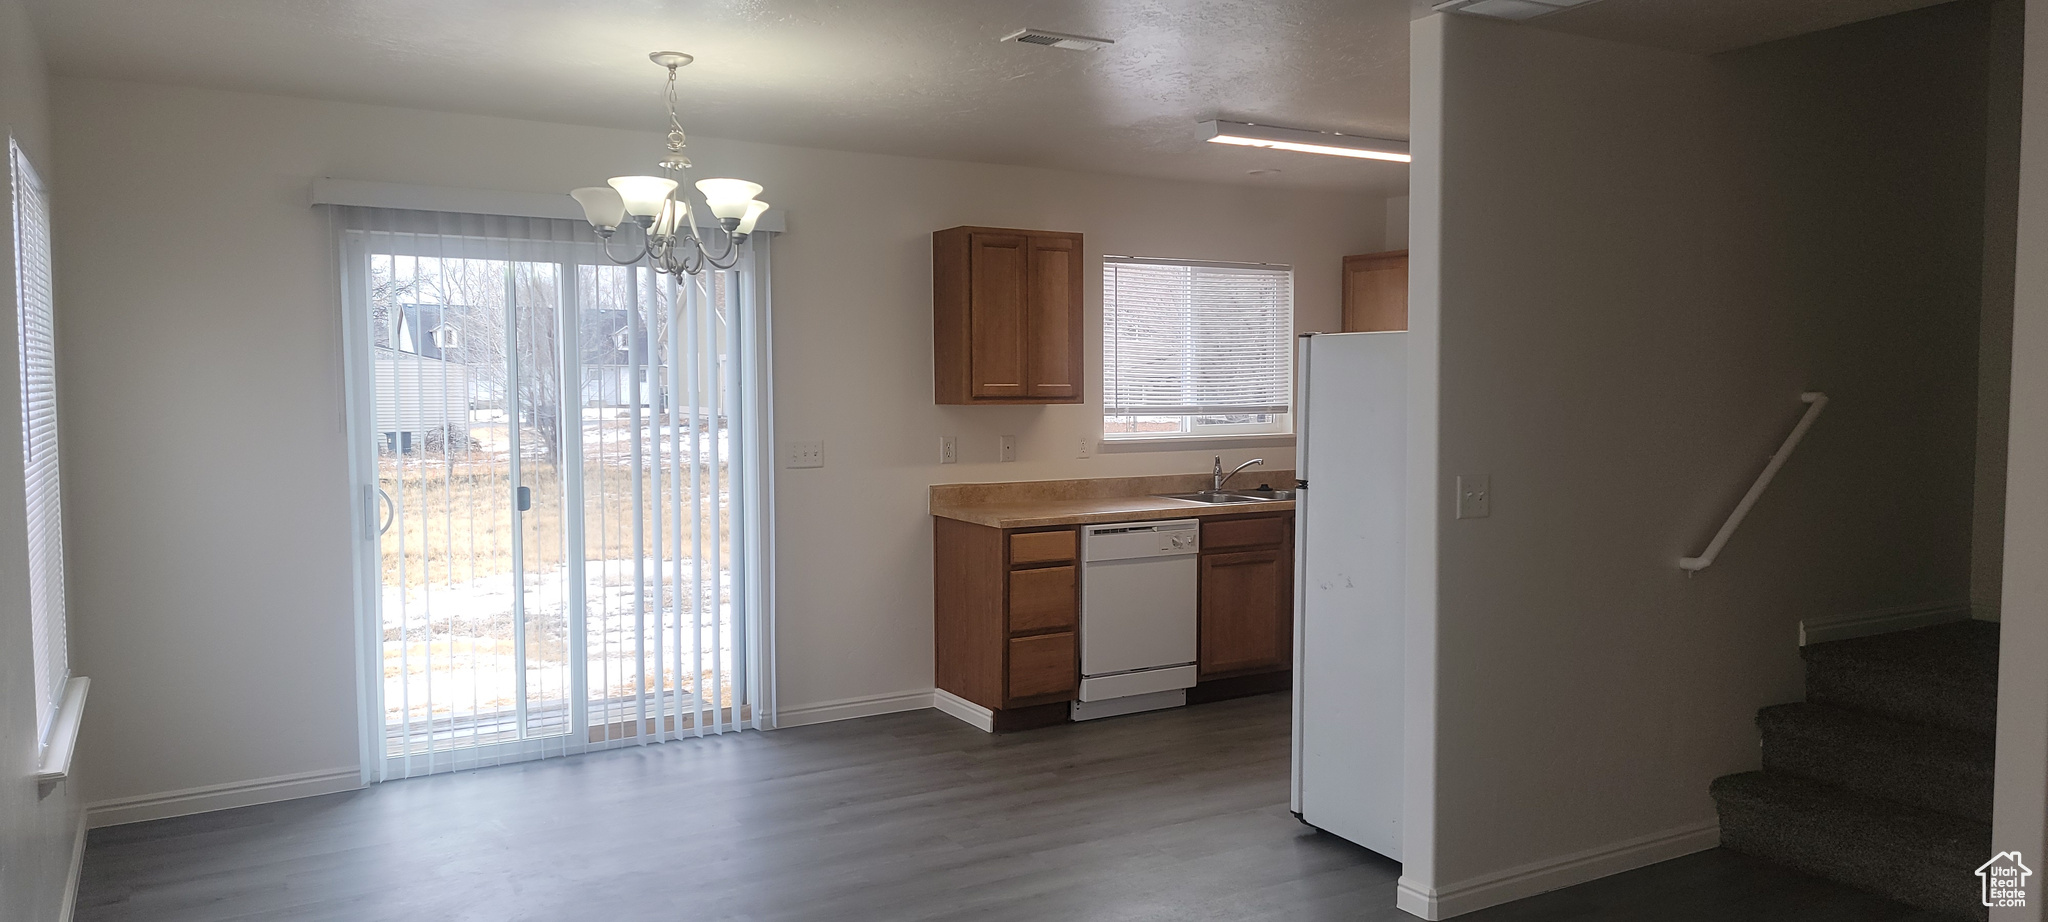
(1053, 325)
(1376, 292)
(997, 315)
(1246, 624)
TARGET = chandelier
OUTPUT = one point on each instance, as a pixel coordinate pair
(660, 206)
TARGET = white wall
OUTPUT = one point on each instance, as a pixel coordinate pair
(212, 495)
(38, 830)
(2005, 52)
(2021, 805)
(1641, 259)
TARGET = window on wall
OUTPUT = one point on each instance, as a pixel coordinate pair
(1196, 348)
(34, 308)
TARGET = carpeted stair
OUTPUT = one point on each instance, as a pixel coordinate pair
(1882, 779)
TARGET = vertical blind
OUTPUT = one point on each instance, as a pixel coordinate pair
(37, 328)
(1183, 338)
(564, 490)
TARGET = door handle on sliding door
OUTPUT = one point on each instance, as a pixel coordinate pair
(390, 511)
(525, 499)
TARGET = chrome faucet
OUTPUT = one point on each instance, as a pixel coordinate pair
(1222, 477)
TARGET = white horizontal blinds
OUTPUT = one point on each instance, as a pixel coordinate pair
(1196, 339)
(36, 310)
(604, 390)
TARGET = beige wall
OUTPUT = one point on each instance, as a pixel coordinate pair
(38, 829)
(206, 394)
(1642, 258)
(2022, 796)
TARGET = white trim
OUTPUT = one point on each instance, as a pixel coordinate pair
(329, 191)
(850, 708)
(1881, 621)
(974, 715)
(208, 798)
(63, 743)
(1555, 873)
(69, 905)
(1195, 442)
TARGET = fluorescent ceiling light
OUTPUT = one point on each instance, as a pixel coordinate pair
(1246, 134)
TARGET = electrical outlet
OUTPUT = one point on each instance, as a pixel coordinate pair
(1087, 447)
(949, 449)
(1006, 448)
(1475, 497)
(805, 454)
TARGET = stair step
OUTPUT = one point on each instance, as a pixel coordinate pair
(1918, 857)
(1937, 768)
(1945, 675)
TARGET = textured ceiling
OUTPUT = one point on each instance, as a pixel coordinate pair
(1709, 26)
(917, 77)
(920, 77)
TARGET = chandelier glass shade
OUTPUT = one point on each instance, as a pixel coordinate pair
(672, 233)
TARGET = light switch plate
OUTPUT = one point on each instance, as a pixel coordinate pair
(1475, 497)
(949, 449)
(1006, 448)
(806, 454)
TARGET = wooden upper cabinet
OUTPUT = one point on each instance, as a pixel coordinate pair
(997, 314)
(1006, 316)
(1052, 330)
(1376, 292)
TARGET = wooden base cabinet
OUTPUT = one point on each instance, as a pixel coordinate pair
(1246, 595)
(1008, 612)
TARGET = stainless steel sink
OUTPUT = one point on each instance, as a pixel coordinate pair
(1271, 496)
(1215, 498)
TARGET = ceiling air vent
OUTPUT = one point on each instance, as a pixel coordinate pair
(1052, 39)
(1508, 9)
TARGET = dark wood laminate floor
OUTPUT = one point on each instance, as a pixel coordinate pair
(1177, 815)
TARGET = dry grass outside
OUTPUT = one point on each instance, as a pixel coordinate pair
(458, 504)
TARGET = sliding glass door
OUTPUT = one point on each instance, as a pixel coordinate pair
(561, 536)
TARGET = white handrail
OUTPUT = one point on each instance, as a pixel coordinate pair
(1816, 402)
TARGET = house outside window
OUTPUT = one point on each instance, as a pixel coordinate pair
(1193, 348)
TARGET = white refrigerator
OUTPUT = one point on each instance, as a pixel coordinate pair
(1351, 459)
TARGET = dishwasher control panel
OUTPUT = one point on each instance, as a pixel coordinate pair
(1141, 539)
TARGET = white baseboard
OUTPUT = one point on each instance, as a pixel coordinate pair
(976, 716)
(1554, 873)
(850, 708)
(66, 909)
(1881, 621)
(212, 797)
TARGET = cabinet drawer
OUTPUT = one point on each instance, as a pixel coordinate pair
(1042, 665)
(1043, 599)
(1233, 533)
(1041, 547)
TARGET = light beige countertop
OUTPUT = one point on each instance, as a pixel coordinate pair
(1036, 503)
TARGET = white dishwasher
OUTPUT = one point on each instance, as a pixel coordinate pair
(1137, 616)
